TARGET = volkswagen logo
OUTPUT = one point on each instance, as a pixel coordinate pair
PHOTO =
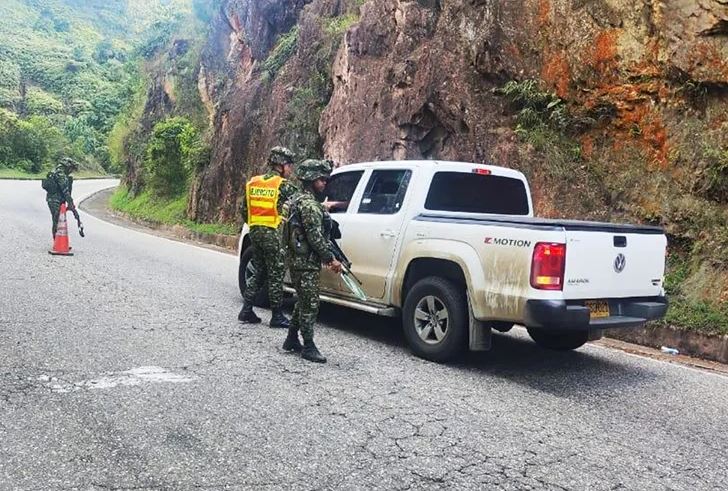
(619, 263)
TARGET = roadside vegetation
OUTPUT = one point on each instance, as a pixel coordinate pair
(66, 73)
(623, 182)
(170, 210)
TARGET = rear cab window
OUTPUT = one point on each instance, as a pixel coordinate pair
(477, 193)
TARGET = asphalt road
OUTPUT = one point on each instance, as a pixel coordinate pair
(124, 367)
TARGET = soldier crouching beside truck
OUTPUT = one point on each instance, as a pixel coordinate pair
(305, 238)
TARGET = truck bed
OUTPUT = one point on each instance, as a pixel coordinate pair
(541, 223)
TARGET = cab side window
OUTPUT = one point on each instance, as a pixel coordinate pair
(340, 189)
(385, 192)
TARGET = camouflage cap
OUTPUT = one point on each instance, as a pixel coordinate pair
(310, 170)
(281, 156)
(68, 163)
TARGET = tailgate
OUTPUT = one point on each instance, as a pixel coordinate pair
(602, 264)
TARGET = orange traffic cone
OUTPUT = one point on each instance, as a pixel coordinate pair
(60, 244)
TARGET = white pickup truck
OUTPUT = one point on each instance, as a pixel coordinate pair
(453, 250)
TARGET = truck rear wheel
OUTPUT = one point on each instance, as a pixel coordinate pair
(435, 319)
(245, 269)
(558, 340)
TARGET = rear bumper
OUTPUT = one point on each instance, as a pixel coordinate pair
(573, 315)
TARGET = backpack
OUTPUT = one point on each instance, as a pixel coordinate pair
(47, 183)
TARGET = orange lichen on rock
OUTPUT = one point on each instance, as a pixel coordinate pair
(718, 121)
(544, 12)
(709, 59)
(587, 146)
(603, 55)
(636, 122)
(654, 135)
(557, 73)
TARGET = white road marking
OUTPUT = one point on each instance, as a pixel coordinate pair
(135, 376)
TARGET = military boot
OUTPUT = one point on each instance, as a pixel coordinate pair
(247, 315)
(311, 353)
(279, 320)
(292, 343)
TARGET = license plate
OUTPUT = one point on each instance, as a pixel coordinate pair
(597, 308)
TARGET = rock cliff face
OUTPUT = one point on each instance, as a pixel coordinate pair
(646, 81)
(414, 79)
(251, 86)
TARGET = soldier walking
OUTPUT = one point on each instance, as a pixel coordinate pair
(59, 185)
(306, 238)
(263, 200)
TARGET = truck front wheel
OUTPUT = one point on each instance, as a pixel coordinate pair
(435, 319)
(558, 340)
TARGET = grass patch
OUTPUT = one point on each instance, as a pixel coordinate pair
(703, 317)
(212, 228)
(687, 311)
(164, 211)
(336, 26)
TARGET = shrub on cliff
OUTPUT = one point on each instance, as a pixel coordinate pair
(283, 50)
(173, 153)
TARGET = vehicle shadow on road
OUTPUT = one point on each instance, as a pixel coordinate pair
(381, 329)
(564, 373)
(513, 357)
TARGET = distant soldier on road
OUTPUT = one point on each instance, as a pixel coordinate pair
(306, 239)
(263, 200)
(59, 185)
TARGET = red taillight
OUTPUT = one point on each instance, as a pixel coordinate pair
(547, 266)
(482, 172)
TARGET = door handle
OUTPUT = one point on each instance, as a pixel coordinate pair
(387, 234)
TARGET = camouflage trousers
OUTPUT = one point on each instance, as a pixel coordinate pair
(268, 264)
(306, 310)
(55, 207)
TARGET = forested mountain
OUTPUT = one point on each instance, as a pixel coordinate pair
(68, 68)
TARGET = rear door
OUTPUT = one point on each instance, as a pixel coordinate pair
(604, 264)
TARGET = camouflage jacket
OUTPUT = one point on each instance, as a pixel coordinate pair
(61, 187)
(287, 190)
(306, 235)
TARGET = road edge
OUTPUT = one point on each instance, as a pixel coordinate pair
(102, 211)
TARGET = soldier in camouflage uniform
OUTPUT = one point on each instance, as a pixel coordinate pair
(265, 237)
(60, 186)
(307, 242)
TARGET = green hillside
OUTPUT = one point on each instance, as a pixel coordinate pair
(67, 69)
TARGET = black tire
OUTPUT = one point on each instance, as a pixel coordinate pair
(448, 295)
(261, 299)
(558, 340)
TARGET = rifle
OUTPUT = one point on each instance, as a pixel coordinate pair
(347, 275)
(341, 257)
(78, 221)
(66, 198)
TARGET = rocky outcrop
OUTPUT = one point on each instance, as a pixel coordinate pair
(249, 94)
(422, 70)
(414, 79)
(646, 80)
